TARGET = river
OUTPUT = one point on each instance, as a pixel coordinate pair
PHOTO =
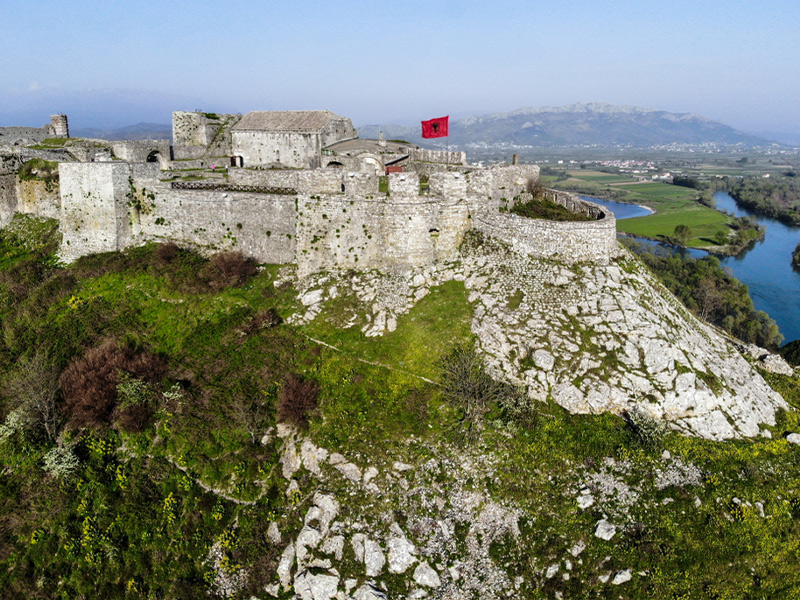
(766, 267)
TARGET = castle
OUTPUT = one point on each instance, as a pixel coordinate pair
(284, 187)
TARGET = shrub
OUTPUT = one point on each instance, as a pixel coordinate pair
(89, 383)
(646, 430)
(535, 187)
(166, 253)
(468, 387)
(136, 400)
(33, 387)
(229, 268)
(61, 462)
(297, 400)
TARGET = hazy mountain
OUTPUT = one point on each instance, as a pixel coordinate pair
(140, 131)
(96, 108)
(585, 124)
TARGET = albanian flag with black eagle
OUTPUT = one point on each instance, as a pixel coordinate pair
(436, 128)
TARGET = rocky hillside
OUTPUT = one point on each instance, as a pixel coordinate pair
(581, 125)
(216, 430)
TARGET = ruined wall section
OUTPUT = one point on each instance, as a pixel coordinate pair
(567, 241)
(94, 208)
(498, 186)
(195, 135)
(38, 198)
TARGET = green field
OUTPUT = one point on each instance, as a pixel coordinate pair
(673, 206)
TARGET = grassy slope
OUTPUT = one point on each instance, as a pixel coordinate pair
(132, 524)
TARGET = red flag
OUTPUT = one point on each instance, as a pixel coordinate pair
(436, 127)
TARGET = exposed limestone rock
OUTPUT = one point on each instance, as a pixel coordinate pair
(374, 558)
(604, 530)
(594, 338)
(273, 533)
(316, 587)
(369, 592)
(285, 565)
(401, 551)
(349, 470)
(426, 576)
(311, 456)
(290, 459)
(793, 438)
(621, 577)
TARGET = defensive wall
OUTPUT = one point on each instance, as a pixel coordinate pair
(303, 216)
(567, 241)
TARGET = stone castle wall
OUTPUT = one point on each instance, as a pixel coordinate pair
(335, 232)
(8, 198)
(438, 156)
(567, 241)
(140, 150)
(114, 205)
(292, 149)
(194, 135)
(40, 198)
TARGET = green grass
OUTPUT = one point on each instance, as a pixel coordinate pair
(673, 206)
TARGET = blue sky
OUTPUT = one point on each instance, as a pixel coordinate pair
(116, 63)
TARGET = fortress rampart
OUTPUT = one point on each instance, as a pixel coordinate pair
(113, 205)
(567, 241)
(340, 216)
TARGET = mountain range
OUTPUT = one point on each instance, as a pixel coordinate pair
(588, 125)
(585, 124)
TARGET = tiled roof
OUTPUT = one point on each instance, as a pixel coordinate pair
(285, 120)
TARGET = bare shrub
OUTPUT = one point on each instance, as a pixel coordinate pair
(535, 187)
(166, 253)
(297, 400)
(89, 383)
(468, 387)
(33, 389)
(264, 319)
(229, 268)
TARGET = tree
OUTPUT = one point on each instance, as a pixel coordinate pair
(682, 234)
(33, 389)
(468, 387)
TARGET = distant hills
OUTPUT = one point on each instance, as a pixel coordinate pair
(140, 131)
(579, 125)
(587, 125)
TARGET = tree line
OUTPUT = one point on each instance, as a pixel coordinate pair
(711, 293)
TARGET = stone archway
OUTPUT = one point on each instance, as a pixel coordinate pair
(334, 164)
(155, 156)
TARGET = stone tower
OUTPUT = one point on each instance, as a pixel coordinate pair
(60, 126)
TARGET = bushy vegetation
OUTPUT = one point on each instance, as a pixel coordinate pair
(775, 197)
(796, 257)
(39, 169)
(712, 294)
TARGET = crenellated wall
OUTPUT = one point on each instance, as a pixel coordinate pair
(309, 220)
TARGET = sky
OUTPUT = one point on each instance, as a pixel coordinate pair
(115, 63)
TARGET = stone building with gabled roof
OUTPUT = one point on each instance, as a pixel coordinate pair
(288, 138)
